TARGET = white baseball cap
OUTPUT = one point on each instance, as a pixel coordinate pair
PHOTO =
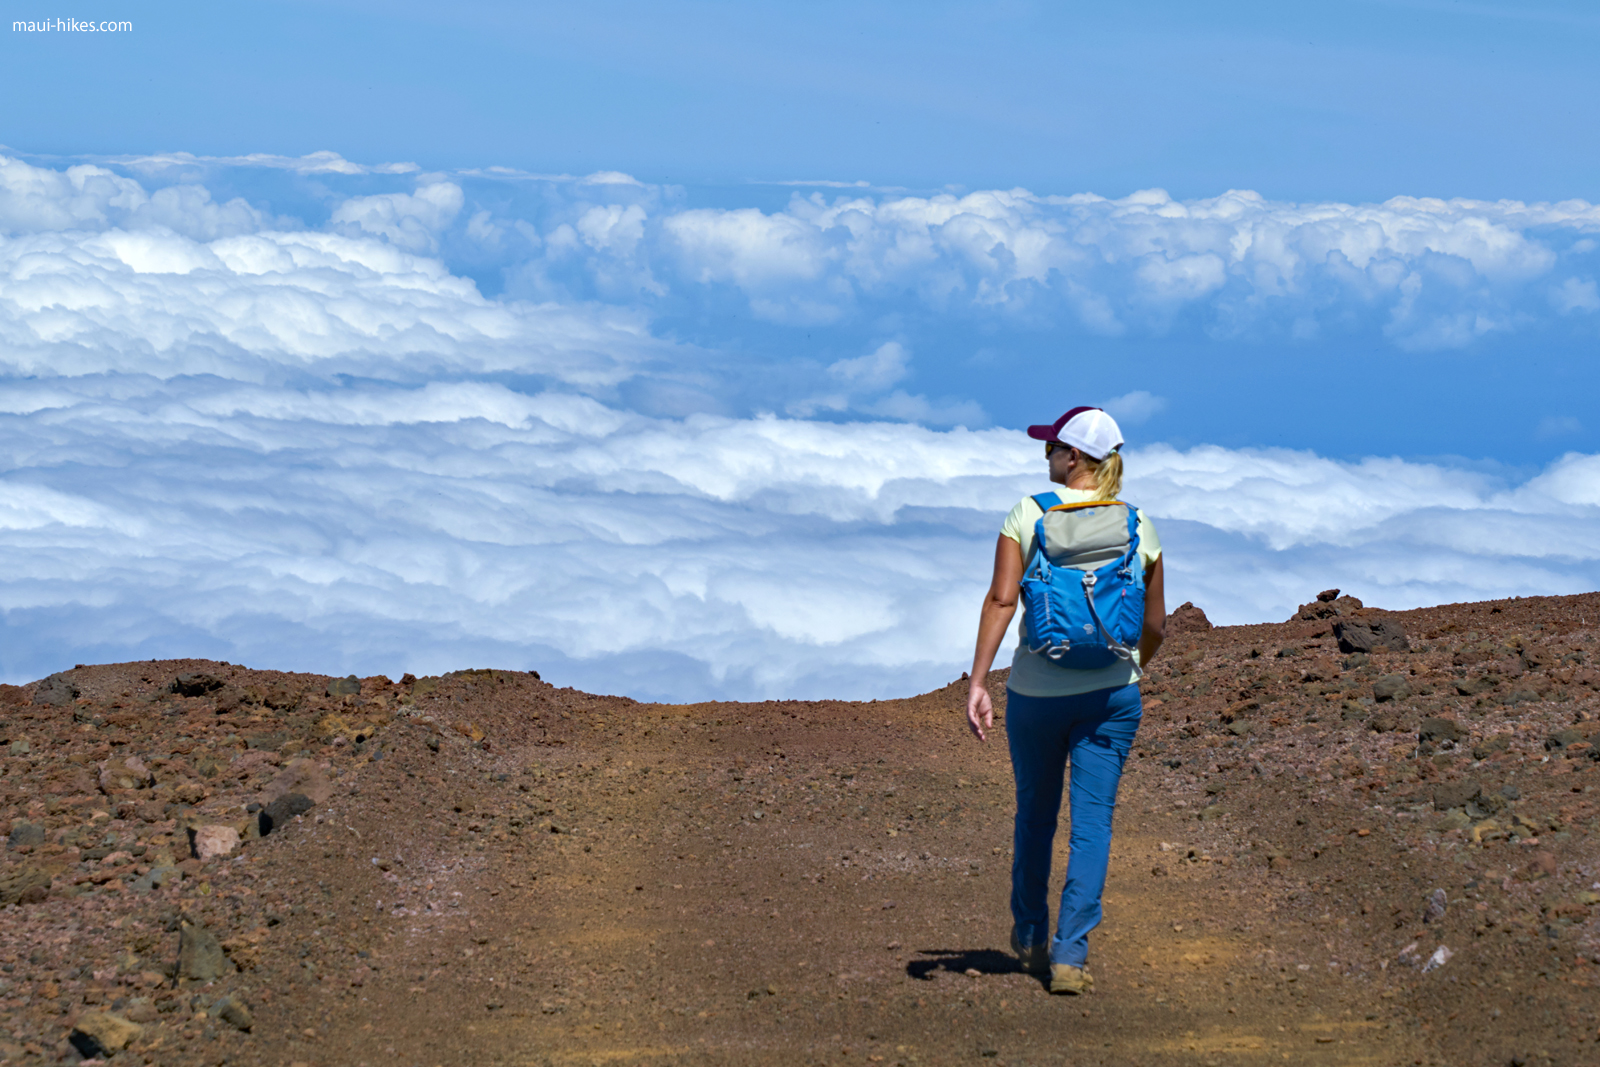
(1089, 429)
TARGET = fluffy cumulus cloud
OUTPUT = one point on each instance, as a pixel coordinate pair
(322, 448)
(39, 200)
(411, 221)
(1421, 273)
(92, 285)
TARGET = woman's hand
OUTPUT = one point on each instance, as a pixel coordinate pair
(998, 608)
(980, 710)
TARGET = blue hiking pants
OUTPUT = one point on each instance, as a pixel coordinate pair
(1094, 731)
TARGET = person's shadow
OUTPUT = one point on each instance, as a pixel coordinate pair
(960, 961)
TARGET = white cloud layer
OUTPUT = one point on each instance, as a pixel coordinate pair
(1422, 273)
(324, 450)
(315, 163)
(386, 528)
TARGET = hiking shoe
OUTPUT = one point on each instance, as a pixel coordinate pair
(1065, 978)
(1035, 959)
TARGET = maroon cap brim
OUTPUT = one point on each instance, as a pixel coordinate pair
(1048, 433)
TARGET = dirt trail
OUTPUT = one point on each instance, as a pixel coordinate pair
(497, 871)
(803, 940)
(747, 908)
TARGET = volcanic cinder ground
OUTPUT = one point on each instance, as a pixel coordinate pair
(483, 869)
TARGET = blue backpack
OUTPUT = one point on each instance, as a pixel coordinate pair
(1083, 590)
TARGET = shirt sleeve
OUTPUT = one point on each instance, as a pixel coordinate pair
(1149, 542)
(1015, 522)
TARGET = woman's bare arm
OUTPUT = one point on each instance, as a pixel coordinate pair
(998, 608)
(1155, 614)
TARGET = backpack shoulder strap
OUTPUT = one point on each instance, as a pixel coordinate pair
(1046, 501)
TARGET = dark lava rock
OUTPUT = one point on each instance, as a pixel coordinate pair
(1471, 687)
(1371, 634)
(1436, 728)
(1391, 687)
(345, 687)
(25, 833)
(55, 691)
(1188, 619)
(282, 810)
(195, 684)
(1447, 795)
(1383, 723)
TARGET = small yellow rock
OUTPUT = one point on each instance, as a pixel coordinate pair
(101, 1031)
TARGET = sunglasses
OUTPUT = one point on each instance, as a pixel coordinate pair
(1051, 446)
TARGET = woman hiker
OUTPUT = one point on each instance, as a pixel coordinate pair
(1064, 702)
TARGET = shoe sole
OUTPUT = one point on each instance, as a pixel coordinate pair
(1076, 986)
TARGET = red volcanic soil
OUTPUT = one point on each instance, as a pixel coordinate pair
(483, 869)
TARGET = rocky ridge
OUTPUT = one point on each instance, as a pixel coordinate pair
(1388, 813)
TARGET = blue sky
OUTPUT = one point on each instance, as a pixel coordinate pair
(1343, 100)
(681, 350)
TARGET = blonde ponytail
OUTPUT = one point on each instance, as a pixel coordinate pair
(1107, 475)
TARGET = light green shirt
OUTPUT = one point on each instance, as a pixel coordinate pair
(1035, 675)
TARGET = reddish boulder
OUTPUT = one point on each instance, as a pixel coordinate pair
(1187, 619)
(1328, 605)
